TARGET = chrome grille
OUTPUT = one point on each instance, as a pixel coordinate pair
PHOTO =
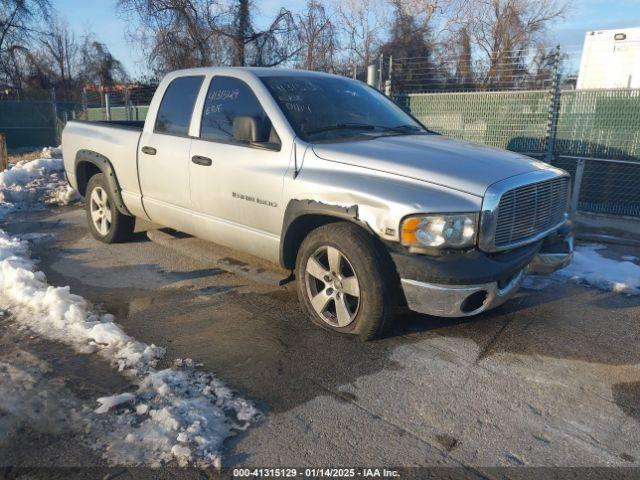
(529, 210)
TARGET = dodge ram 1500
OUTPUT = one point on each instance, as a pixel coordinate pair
(326, 176)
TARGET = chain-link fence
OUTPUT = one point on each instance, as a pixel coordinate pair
(131, 103)
(515, 70)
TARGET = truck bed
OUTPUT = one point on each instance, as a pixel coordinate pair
(115, 140)
(128, 124)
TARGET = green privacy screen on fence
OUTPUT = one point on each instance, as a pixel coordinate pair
(599, 124)
(602, 124)
(118, 113)
(34, 124)
(512, 120)
(28, 123)
(593, 124)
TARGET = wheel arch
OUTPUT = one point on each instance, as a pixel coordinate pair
(89, 163)
(303, 216)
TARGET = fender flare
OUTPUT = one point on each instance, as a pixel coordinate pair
(294, 231)
(105, 166)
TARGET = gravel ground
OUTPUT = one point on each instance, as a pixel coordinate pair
(552, 378)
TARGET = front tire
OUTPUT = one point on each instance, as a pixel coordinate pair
(346, 281)
(106, 223)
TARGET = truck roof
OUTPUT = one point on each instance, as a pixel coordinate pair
(257, 71)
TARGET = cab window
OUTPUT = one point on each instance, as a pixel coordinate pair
(176, 108)
(233, 114)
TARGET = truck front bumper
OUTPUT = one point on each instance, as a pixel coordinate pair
(477, 282)
(457, 301)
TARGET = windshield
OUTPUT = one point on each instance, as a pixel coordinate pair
(325, 109)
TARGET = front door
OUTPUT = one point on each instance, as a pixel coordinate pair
(237, 184)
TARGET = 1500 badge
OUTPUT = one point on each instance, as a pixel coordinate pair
(249, 198)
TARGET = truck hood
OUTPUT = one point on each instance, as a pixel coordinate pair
(463, 166)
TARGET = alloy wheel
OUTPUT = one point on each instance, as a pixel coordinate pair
(100, 211)
(332, 286)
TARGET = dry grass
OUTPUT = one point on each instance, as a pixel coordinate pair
(18, 156)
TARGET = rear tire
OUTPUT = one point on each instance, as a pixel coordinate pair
(346, 281)
(106, 223)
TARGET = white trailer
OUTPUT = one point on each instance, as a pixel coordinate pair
(610, 59)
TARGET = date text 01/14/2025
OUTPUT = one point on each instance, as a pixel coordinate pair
(316, 473)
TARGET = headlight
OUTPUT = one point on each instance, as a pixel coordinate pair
(456, 230)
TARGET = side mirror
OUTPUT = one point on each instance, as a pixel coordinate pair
(250, 130)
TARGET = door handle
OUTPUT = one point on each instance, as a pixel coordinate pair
(199, 160)
(149, 150)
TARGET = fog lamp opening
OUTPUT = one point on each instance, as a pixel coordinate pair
(474, 301)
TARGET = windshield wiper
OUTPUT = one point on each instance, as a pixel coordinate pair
(381, 129)
(342, 126)
(402, 129)
(407, 127)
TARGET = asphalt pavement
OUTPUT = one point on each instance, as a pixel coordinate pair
(552, 378)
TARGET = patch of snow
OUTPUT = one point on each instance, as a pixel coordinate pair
(630, 258)
(181, 414)
(52, 152)
(29, 184)
(591, 268)
(107, 403)
(63, 196)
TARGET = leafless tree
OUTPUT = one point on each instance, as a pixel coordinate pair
(317, 37)
(415, 26)
(60, 49)
(18, 20)
(363, 24)
(410, 42)
(99, 65)
(192, 33)
(457, 59)
(505, 30)
(174, 33)
(18, 26)
(268, 47)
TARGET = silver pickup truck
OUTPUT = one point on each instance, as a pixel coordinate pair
(368, 209)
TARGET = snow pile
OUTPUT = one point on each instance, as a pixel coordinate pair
(52, 152)
(29, 184)
(178, 414)
(107, 403)
(57, 314)
(590, 267)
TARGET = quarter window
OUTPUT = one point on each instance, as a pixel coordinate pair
(176, 108)
(227, 99)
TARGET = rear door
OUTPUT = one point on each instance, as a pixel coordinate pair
(163, 153)
(237, 185)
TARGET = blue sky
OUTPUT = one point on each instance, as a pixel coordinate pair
(100, 17)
